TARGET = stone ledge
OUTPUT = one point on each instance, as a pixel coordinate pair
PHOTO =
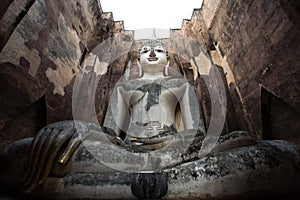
(270, 168)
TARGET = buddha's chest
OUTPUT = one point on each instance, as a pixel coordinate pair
(154, 95)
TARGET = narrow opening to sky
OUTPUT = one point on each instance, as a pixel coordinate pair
(142, 16)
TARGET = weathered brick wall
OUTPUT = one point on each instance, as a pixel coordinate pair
(42, 46)
(260, 42)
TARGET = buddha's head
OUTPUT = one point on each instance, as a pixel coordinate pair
(153, 56)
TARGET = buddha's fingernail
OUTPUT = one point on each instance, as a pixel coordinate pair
(63, 159)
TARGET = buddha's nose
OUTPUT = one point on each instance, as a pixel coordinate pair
(152, 54)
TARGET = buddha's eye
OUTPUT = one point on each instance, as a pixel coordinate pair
(159, 50)
(145, 51)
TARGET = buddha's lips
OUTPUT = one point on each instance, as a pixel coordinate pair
(153, 59)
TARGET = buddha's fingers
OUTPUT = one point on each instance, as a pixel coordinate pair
(28, 164)
(54, 148)
(233, 140)
(153, 146)
(44, 154)
(41, 156)
(71, 148)
(151, 140)
(34, 154)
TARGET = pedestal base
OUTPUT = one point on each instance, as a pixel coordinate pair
(268, 169)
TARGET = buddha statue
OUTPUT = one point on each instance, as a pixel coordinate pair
(156, 102)
(149, 146)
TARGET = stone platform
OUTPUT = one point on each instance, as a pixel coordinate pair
(267, 169)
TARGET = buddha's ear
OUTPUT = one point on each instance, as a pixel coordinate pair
(138, 62)
(166, 72)
(141, 71)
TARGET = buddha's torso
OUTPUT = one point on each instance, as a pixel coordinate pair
(152, 104)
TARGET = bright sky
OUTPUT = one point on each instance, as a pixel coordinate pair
(141, 14)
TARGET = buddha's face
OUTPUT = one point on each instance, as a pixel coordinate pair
(153, 55)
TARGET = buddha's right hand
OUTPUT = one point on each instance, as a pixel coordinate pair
(44, 150)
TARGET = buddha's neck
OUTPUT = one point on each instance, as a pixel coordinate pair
(153, 75)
